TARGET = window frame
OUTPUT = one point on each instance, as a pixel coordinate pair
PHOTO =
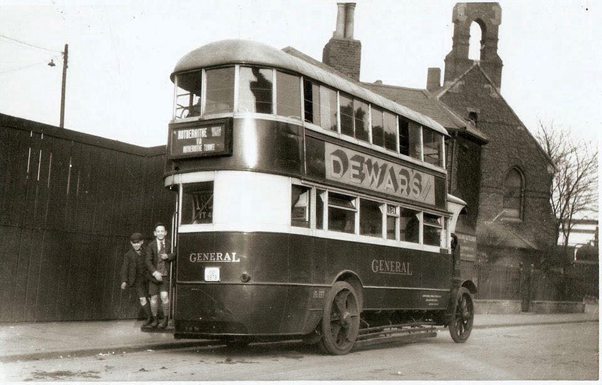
(521, 198)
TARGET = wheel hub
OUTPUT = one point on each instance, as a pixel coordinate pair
(345, 319)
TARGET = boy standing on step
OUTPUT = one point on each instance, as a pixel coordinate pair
(158, 259)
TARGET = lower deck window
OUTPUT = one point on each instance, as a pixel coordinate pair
(300, 206)
(432, 229)
(371, 218)
(392, 221)
(320, 198)
(409, 225)
(341, 213)
(197, 203)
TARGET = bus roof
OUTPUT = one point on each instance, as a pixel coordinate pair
(251, 52)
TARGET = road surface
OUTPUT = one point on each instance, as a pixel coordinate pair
(540, 352)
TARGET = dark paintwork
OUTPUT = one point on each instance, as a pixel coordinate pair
(273, 302)
(64, 233)
(280, 151)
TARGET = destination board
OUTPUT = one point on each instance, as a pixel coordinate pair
(200, 140)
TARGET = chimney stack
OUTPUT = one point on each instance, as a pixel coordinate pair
(433, 79)
(342, 52)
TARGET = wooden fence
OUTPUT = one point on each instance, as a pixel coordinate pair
(528, 284)
(68, 204)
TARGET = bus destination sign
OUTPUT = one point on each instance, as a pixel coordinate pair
(208, 139)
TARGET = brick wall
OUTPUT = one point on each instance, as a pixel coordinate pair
(510, 145)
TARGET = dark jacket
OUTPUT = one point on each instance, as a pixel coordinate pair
(152, 257)
(133, 268)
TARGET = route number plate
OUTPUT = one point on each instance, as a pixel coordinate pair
(212, 274)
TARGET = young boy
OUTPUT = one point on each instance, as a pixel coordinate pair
(133, 273)
(158, 259)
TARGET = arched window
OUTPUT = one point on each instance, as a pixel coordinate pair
(477, 35)
(513, 194)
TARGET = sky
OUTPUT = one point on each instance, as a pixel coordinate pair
(122, 53)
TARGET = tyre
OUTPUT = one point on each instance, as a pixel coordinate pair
(462, 316)
(340, 320)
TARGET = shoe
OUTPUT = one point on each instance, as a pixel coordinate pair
(149, 316)
(163, 323)
(148, 322)
(155, 322)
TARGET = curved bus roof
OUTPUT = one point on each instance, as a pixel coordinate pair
(251, 52)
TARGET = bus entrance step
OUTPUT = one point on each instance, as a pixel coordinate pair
(394, 333)
(168, 330)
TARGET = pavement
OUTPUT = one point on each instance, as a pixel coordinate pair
(57, 340)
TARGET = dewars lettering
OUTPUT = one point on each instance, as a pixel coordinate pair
(391, 267)
(359, 169)
(213, 257)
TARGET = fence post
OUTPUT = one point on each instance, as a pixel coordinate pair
(525, 288)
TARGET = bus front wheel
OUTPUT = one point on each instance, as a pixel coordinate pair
(340, 320)
(462, 316)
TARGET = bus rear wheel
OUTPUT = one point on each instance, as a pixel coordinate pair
(341, 320)
(462, 316)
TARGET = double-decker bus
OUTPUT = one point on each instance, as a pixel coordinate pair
(308, 206)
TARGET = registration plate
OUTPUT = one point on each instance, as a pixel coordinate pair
(212, 274)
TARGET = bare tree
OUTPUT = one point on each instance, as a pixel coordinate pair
(574, 188)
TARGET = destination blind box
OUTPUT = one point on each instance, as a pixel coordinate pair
(200, 139)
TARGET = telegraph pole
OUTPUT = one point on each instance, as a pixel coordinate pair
(64, 85)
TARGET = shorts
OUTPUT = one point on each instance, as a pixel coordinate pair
(155, 288)
(141, 288)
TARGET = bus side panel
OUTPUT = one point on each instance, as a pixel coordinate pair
(289, 279)
(392, 276)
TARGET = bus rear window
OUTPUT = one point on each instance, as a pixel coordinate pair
(197, 203)
(220, 91)
(188, 95)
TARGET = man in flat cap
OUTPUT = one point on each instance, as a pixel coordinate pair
(133, 273)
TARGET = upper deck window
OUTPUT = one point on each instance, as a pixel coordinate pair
(311, 102)
(188, 95)
(328, 109)
(288, 95)
(410, 138)
(390, 131)
(378, 132)
(220, 91)
(255, 91)
(346, 103)
(360, 112)
(432, 147)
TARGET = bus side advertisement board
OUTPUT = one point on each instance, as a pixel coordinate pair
(351, 168)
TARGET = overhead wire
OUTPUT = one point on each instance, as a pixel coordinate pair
(23, 67)
(28, 44)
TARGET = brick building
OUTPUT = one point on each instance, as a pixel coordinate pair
(494, 163)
